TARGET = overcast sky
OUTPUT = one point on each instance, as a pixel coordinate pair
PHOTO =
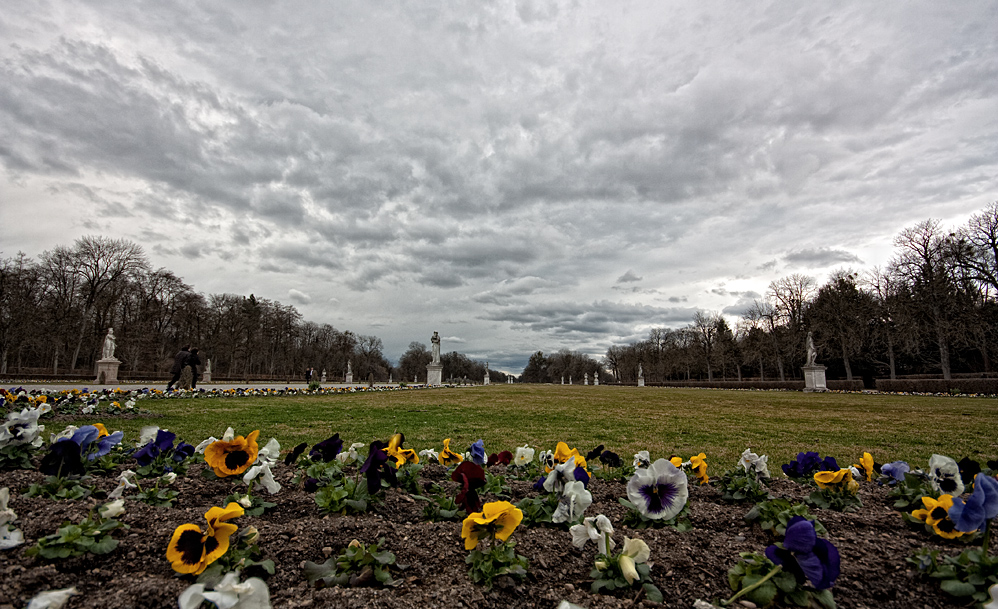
(515, 175)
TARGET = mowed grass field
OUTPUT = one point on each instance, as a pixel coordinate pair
(665, 421)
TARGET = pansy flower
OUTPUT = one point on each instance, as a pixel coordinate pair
(228, 593)
(326, 450)
(92, 444)
(610, 459)
(980, 507)
(699, 465)
(642, 459)
(836, 480)
(944, 475)
(562, 474)
(471, 477)
(231, 458)
(191, 550)
(401, 455)
(376, 467)
(477, 451)
(292, 457)
(162, 443)
(447, 456)
(594, 453)
(546, 458)
(503, 458)
(895, 470)
(635, 551)
(968, 469)
(866, 467)
(429, 454)
(22, 428)
(752, 462)
(593, 528)
(677, 461)
(659, 491)
(498, 519)
(524, 456)
(350, 455)
(805, 555)
(573, 503)
(63, 459)
(936, 515)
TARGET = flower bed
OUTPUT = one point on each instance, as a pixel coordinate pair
(425, 560)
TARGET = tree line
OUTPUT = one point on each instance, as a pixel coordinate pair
(55, 312)
(932, 310)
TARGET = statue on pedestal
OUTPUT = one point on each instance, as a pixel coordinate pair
(109, 343)
(812, 354)
(435, 347)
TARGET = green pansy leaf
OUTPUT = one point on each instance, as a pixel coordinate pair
(653, 593)
(957, 588)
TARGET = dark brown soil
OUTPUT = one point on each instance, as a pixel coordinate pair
(873, 543)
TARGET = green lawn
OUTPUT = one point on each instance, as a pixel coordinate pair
(665, 421)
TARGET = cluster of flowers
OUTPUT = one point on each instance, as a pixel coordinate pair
(111, 401)
(657, 490)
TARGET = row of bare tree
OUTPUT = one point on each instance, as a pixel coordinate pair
(54, 313)
(933, 309)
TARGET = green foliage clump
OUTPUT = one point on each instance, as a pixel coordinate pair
(740, 486)
(358, 565)
(773, 516)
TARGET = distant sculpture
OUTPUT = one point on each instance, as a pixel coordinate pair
(641, 372)
(435, 342)
(596, 378)
(109, 342)
(207, 367)
(812, 354)
(323, 375)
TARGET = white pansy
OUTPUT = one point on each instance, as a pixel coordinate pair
(88, 409)
(546, 458)
(559, 476)
(524, 456)
(228, 594)
(634, 551)
(52, 599)
(10, 537)
(751, 461)
(262, 474)
(169, 478)
(63, 435)
(593, 528)
(22, 428)
(269, 453)
(205, 444)
(350, 455)
(993, 590)
(246, 501)
(573, 503)
(112, 509)
(229, 435)
(146, 435)
(944, 475)
(429, 454)
(659, 491)
(642, 459)
(6, 514)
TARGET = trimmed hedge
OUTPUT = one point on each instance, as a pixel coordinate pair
(978, 386)
(855, 385)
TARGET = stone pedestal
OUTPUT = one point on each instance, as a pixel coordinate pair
(641, 381)
(107, 371)
(349, 377)
(814, 378)
(434, 374)
(487, 380)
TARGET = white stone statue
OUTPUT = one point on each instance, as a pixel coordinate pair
(349, 368)
(812, 354)
(207, 367)
(435, 348)
(109, 342)
(323, 375)
(641, 372)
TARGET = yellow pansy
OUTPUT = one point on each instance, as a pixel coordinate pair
(447, 456)
(866, 466)
(233, 457)
(827, 479)
(498, 519)
(401, 455)
(677, 461)
(699, 465)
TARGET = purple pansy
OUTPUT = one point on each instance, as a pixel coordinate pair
(805, 555)
(327, 450)
(477, 451)
(981, 506)
(376, 467)
(659, 491)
